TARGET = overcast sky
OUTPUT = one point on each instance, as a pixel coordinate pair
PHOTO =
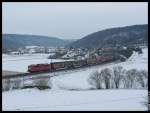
(70, 20)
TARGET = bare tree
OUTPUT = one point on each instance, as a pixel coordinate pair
(126, 82)
(145, 74)
(130, 77)
(118, 75)
(6, 84)
(96, 79)
(142, 78)
(106, 74)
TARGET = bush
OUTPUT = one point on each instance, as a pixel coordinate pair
(42, 83)
(6, 84)
(130, 77)
(142, 78)
(96, 80)
(15, 83)
(118, 73)
(119, 77)
(106, 74)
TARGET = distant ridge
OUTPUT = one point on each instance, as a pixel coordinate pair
(18, 40)
(110, 37)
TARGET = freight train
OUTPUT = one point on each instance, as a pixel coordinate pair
(69, 64)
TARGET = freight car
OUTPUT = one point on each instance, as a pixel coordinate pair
(83, 62)
(80, 63)
(91, 61)
(58, 65)
(99, 59)
(107, 58)
(69, 64)
(77, 64)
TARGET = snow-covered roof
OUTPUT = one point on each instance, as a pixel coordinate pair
(30, 47)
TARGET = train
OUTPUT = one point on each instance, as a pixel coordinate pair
(69, 64)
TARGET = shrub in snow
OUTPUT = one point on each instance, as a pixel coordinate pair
(142, 78)
(28, 84)
(96, 80)
(106, 74)
(118, 73)
(42, 83)
(15, 84)
(119, 78)
(9, 84)
(126, 82)
(101, 79)
(130, 78)
(6, 84)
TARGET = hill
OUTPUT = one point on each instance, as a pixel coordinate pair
(115, 36)
(17, 40)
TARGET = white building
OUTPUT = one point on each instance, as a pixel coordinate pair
(15, 53)
(31, 51)
(31, 47)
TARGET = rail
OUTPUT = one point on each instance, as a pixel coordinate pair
(49, 72)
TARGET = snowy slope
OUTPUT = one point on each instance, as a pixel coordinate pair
(32, 99)
(138, 61)
(78, 80)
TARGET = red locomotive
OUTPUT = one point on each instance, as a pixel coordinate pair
(39, 68)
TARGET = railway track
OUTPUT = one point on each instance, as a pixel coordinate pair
(56, 71)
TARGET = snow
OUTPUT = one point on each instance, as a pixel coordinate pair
(19, 63)
(29, 47)
(78, 79)
(71, 91)
(107, 100)
(137, 61)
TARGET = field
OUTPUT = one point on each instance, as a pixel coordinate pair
(71, 91)
(104, 100)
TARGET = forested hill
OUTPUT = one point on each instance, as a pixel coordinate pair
(17, 40)
(115, 36)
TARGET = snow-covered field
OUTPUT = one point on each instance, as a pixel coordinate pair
(107, 100)
(19, 63)
(78, 80)
(64, 94)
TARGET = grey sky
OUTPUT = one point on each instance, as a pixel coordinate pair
(70, 20)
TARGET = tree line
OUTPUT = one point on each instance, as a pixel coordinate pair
(118, 77)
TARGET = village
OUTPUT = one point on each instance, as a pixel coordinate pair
(69, 53)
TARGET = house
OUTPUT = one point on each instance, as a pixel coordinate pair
(15, 53)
